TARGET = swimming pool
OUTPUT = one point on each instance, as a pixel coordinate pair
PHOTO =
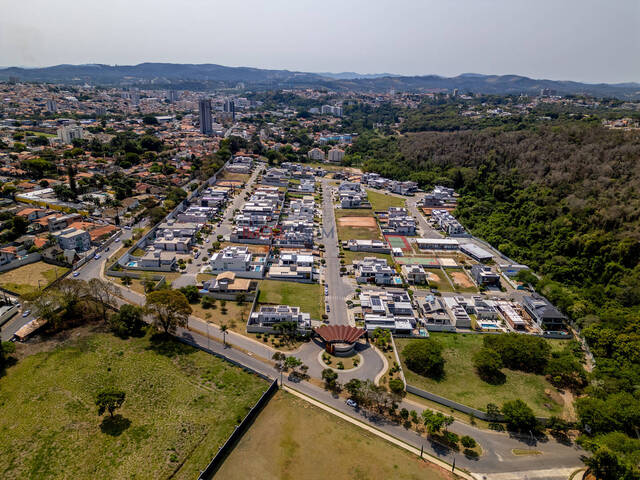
(489, 325)
(132, 264)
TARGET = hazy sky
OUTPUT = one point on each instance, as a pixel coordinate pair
(585, 40)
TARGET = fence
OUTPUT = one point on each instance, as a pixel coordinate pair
(27, 259)
(236, 435)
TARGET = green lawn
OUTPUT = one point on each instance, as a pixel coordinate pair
(350, 256)
(352, 212)
(308, 296)
(462, 384)
(382, 201)
(181, 404)
(292, 439)
(442, 284)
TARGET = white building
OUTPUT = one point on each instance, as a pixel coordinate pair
(268, 316)
(336, 155)
(74, 239)
(316, 154)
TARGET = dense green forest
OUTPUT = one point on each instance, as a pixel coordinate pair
(564, 200)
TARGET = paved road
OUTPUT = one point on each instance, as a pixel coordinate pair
(497, 459)
(339, 290)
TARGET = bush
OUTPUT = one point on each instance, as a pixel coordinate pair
(468, 442)
(424, 357)
(396, 386)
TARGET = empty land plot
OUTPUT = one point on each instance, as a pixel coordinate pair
(358, 228)
(463, 385)
(234, 316)
(437, 279)
(383, 201)
(294, 439)
(308, 296)
(235, 177)
(30, 277)
(462, 281)
(180, 406)
(350, 257)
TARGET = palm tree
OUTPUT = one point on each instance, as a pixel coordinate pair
(224, 329)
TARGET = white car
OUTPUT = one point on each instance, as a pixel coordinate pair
(75, 274)
(97, 256)
(351, 403)
(26, 313)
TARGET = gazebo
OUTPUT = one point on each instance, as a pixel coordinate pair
(339, 340)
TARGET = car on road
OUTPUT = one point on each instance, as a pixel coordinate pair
(75, 274)
(106, 249)
(96, 256)
(127, 227)
(326, 291)
(351, 403)
(328, 309)
(117, 239)
(26, 313)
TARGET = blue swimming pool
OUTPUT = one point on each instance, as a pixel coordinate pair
(489, 325)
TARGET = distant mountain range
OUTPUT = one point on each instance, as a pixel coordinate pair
(208, 76)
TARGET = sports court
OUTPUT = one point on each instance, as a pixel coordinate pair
(428, 262)
(398, 241)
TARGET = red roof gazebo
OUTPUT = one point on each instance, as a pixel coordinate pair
(339, 334)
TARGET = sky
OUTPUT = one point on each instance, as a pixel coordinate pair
(583, 40)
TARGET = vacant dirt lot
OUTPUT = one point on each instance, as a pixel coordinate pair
(24, 279)
(369, 222)
(461, 279)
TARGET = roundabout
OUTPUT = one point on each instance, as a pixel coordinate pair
(350, 363)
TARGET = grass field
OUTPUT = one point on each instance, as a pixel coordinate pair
(235, 318)
(381, 201)
(292, 439)
(438, 280)
(347, 230)
(24, 279)
(462, 384)
(350, 256)
(308, 296)
(181, 404)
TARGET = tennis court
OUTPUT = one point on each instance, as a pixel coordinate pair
(428, 262)
(398, 241)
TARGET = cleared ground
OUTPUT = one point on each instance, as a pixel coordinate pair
(462, 281)
(25, 279)
(181, 404)
(308, 296)
(382, 201)
(357, 228)
(462, 384)
(292, 439)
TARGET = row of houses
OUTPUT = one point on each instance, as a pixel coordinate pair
(375, 180)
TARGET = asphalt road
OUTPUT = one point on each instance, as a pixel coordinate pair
(339, 290)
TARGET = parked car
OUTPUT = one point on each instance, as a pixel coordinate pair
(328, 309)
(75, 274)
(26, 313)
(117, 239)
(96, 256)
(351, 403)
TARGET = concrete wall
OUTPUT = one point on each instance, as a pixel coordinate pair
(26, 260)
